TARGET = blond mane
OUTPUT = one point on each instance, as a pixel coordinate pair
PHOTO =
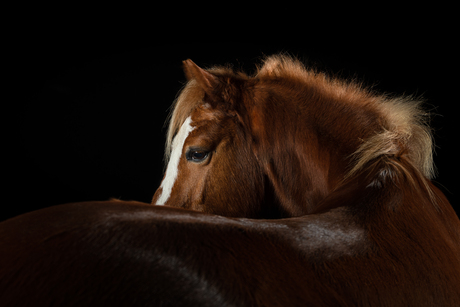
(404, 128)
(190, 97)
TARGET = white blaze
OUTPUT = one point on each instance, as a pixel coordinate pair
(173, 165)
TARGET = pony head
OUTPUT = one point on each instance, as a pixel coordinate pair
(211, 162)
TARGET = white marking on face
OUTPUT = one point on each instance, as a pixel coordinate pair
(173, 165)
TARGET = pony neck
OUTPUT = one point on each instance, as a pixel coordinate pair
(305, 157)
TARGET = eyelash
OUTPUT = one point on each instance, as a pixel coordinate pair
(196, 155)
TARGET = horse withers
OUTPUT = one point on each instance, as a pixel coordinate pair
(286, 188)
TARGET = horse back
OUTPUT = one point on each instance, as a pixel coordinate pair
(128, 253)
(132, 254)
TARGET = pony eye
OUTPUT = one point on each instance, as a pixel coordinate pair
(197, 155)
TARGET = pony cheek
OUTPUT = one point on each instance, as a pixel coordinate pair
(196, 189)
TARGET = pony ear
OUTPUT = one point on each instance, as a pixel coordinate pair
(205, 79)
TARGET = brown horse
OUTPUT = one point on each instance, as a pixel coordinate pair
(341, 173)
(276, 145)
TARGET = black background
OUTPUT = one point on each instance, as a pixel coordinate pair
(88, 122)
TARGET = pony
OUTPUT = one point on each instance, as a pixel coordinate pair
(277, 144)
(285, 188)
